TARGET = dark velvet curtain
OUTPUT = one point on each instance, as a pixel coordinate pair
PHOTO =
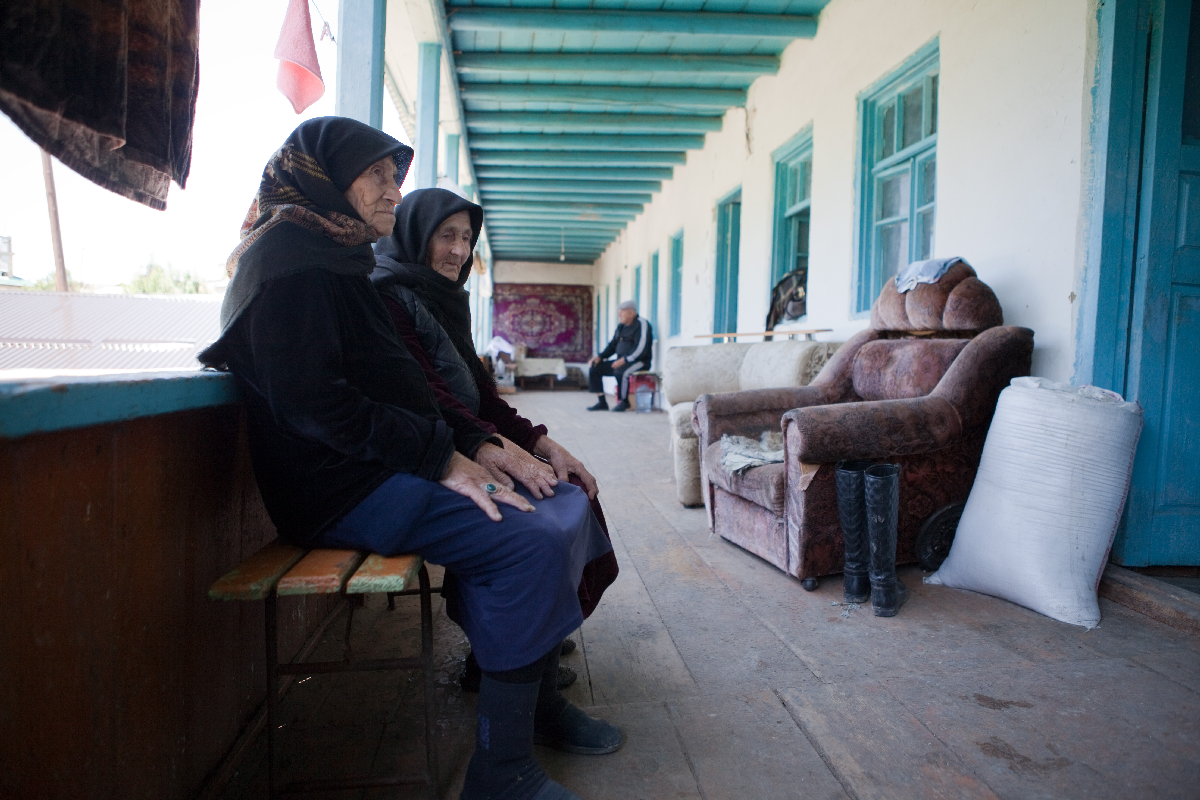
(106, 86)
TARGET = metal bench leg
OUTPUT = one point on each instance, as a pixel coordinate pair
(431, 761)
(272, 688)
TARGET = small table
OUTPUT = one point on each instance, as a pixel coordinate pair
(807, 333)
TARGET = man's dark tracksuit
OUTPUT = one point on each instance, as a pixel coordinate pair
(631, 342)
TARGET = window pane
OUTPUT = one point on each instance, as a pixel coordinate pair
(933, 94)
(805, 179)
(887, 131)
(912, 116)
(797, 305)
(893, 248)
(928, 181)
(793, 184)
(925, 245)
(893, 196)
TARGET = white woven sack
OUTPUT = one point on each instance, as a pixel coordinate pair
(1051, 486)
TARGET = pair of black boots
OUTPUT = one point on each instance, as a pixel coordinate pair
(868, 497)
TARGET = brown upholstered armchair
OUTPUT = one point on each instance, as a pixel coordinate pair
(918, 388)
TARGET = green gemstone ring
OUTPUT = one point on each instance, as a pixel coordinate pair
(491, 488)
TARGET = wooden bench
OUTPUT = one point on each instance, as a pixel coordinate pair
(280, 569)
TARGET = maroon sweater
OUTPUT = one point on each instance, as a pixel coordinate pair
(495, 415)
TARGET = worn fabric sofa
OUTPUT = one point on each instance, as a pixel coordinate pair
(689, 372)
(917, 388)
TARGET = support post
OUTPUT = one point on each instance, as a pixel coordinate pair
(452, 157)
(361, 26)
(60, 264)
(429, 71)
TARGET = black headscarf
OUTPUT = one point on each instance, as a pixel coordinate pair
(304, 184)
(401, 259)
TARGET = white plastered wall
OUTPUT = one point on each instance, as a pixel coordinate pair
(1014, 79)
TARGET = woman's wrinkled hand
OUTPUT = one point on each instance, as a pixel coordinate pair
(470, 480)
(564, 464)
(509, 462)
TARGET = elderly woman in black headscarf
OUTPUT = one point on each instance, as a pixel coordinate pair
(351, 450)
(421, 271)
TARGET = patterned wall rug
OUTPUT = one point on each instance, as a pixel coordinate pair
(552, 320)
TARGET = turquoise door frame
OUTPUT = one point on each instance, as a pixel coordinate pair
(1139, 327)
(729, 234)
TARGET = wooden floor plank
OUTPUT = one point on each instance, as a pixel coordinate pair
(748, 746)
(879, 750)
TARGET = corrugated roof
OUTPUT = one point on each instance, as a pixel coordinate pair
(68, 330)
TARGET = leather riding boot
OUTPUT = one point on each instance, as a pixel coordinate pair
(852, 513)
(882, 490)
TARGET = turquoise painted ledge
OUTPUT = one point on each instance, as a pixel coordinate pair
(42, 405)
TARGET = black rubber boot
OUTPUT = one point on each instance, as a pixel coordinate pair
(621, 406)
(601, 405)
(882, 489)
(565, 649)
(502, 767)
(852, 512)
(563, 726)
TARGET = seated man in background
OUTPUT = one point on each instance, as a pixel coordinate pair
(631, 345)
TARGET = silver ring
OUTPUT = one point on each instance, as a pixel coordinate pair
(491, 488)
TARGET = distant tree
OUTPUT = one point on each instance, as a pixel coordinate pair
(47, 284)
(158, 279)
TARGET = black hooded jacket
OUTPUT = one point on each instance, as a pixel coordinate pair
(335, 403)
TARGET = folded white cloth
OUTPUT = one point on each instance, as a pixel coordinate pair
(740, 453)
(930, 271)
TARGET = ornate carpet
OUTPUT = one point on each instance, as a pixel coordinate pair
(552, 320)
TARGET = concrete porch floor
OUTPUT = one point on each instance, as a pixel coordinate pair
(732, 682)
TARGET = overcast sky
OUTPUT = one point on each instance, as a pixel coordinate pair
(241, 118)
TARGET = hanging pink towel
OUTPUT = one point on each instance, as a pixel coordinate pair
(299, 72)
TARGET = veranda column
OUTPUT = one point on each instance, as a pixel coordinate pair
(361, 26)
(429, 71)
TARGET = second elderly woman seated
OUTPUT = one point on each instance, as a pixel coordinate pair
(351, 451)
(421, 271)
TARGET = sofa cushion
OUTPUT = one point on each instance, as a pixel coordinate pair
(689, 372)
(898, 369)
(774, 365)
(681, 421)
(764, 486)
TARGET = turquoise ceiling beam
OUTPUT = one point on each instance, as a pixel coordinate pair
(570, 187)
(553, 205)
(514, 121)
(623, 62)
(566, 141)
(715, 100)
(595, 212)
(559, 232)
(611, 173)
(509, 158)
(583, 200)
(701, 23)
(591, 226)
(564, 218)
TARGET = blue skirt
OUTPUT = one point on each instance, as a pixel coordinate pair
(517, 579)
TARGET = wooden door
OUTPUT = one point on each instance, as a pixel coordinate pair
(1162, 370)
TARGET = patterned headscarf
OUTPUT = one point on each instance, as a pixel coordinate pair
(306, 178)
(304, 184)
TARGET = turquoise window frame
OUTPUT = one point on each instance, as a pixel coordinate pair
(607, 322)
(793, 179)
(637, 286)
(598, 318)
(654, 289)
(725, 294)
(879, 160)
(675, 310)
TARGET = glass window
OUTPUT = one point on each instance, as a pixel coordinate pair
(793, 200)
(676, 287)
(899, 184)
